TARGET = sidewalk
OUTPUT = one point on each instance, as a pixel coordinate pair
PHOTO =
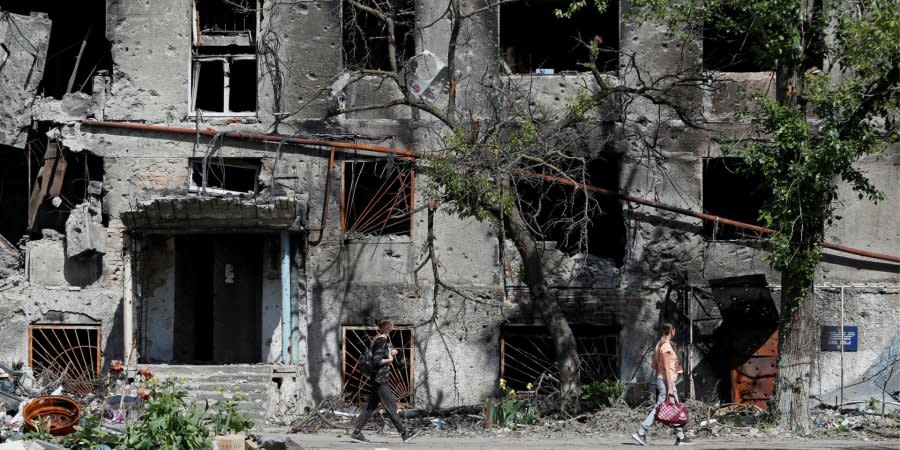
(333, 439)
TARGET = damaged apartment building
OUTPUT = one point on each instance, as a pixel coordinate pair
(176, 190)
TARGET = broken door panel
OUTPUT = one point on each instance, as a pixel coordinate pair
(753, 382)
(23, 51)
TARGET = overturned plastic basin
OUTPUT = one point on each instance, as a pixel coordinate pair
(57, 414)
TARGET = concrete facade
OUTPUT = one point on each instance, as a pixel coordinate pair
(149, 205)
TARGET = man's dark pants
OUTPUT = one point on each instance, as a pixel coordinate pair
(381, 391)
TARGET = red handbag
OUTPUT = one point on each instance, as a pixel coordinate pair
(672, 413)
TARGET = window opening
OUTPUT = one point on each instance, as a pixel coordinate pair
(224, 72)
(355, 384)
(66, 354)
(377, 197)
(732, 44)
(365, 36)
(62, 181)
(78, 47)
(557, 211)
(233, 175)
(527, 356)
(533, 40)
(731, 190)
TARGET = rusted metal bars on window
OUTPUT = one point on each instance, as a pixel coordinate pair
(529, 358)
(388, 207)
(66, 355)
(356, 385)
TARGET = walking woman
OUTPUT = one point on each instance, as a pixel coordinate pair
(383, 355)
(665, 365)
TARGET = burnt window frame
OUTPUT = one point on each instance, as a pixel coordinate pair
(611, 65)
(241, 163)
(715, 231)
(410, 184)
(227, 55)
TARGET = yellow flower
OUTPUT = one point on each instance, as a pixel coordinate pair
(529, 386)
(502, 383)
(512, 392)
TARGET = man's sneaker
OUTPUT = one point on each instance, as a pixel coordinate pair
(684, 441)
(410, 435)
(640, 438)
(358, 437)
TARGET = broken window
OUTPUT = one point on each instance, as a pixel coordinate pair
(732, 191)
(557, 212)
(225, 175)
(534, 40)
(366, 40)
(731, 43)
(224, 75)
(527, 356)
(61, 182)
(78, 47)
(377, 197)
(355, 386)
(66, 354)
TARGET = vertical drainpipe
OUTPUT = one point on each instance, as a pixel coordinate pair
(127, 300)
(286, 324)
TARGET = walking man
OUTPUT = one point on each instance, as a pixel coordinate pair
(383, 355)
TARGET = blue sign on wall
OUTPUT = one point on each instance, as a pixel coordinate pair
(831, 339)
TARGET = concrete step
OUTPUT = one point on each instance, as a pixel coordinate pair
(238, 397)
(213, 373)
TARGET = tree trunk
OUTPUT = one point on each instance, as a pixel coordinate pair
(796, 352)
(567, 359)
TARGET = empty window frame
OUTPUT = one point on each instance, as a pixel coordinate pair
(730, 190)
(556, 211)
(66, 354)
(355, 385)
(224, 66)
(527, 356)
(225, 175)
(534, 40)
(365, 35)
(731, 42)
(377, 197)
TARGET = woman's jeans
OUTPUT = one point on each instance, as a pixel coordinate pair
(660, 398)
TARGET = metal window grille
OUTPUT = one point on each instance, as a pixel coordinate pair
(355, 384)
(67, 355)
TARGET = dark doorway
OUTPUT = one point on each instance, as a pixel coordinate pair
(218, 289)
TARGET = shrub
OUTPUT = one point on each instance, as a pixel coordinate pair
(601, 394)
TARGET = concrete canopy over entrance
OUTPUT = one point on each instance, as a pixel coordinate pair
(208, 214)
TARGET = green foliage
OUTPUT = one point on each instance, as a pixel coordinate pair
(40, 432)
(601, 394)
(508, 410)
(577, 5)
(170, 422)
(90, 435)
(227, 420)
